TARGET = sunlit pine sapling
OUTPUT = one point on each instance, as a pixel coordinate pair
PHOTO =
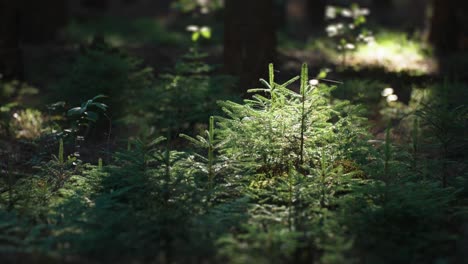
(208, 143)
(306, 89)
(60, 160)
(60, 168)
(278, 99)
(263, 111)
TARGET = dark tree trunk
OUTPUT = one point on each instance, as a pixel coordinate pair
(384, 11)
(41, 20)
(417, 15)
(11, 66)
(249, 40)
(95, 4)
(280, 13)
(383, 3)
(446, 29)
(316, 14)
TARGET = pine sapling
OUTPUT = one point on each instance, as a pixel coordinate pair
(207, 143)
(304, 85)
(415, 141)
(323, 179)
(387, 153)
(211, 153)
(10, 184)
(60, 153)
(290, 196)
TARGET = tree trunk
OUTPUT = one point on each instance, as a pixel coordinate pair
(383, 3)
(384, 11)
(249, 40)
(40, 21)
(10, 53)
(416, 15)
(280, 13)
(316, 14)
(95, 4)
(445, 30)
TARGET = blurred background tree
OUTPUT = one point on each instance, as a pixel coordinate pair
(249, 39)
(449, 30)
(10, 52)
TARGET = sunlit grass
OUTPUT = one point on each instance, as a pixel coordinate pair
(395, 52)
(392, 51)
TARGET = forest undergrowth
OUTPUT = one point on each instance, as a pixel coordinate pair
(291, 174)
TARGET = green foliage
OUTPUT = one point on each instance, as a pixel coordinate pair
(443, 119)
(361, 91)
(291, 163)
(87, 115)
(103, 70)
(146, 187)
(401, 223)
(268, 134)
(286, 176)
(182, 98)
(207, 165)
(204, 7)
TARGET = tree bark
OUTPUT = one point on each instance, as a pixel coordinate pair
(249, 40)
(280, 13)
(11, 66)
(384, 11)
(95, 4)
(40, 21)
(383, 3)
(445, 32)
(316, 14)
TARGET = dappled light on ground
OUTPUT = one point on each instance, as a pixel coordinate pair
(396, 53)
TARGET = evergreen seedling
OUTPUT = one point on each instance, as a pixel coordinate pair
(387, 152)
(60, 153)
(210, 146)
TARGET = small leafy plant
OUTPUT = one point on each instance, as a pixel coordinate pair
(88, 111)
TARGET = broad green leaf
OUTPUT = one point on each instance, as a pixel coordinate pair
(323, 74)
(205, 32)
(75, 111)
(99, 96)
(195, 36)
(100, 106)
(92, 116)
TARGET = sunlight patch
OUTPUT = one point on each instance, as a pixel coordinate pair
(395, 53)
